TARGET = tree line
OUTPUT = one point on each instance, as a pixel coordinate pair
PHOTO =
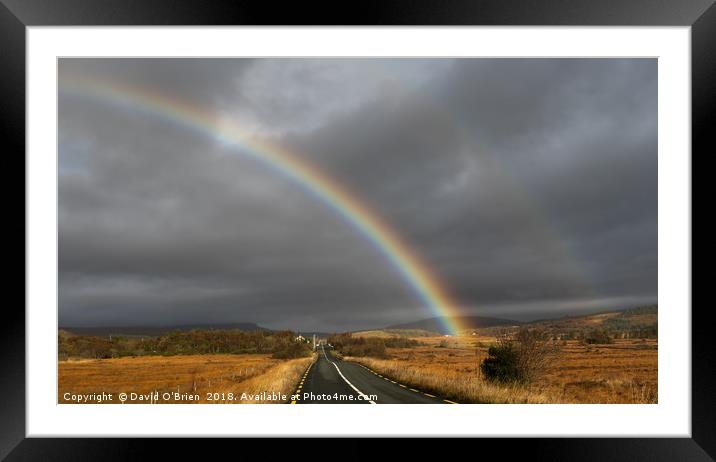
(281, 344)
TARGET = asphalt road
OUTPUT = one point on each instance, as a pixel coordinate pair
(332, 381)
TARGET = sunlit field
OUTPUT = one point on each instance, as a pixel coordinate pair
(622, 372)
(211, 377)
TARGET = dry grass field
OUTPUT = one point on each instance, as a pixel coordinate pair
(622, 372)
(218, 375)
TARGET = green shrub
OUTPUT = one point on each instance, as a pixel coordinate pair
(521, 358)
(502, 364)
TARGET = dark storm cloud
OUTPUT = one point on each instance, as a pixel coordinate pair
(193, 80)
(519, 180)
(528, 186)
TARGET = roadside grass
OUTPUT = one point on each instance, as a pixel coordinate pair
(282, 378)
(455, 386)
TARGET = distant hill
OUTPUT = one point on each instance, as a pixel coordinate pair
(647, 313)
(65, 334)
(468, 322)
(640, 321)
(393, 333)
(152, 331)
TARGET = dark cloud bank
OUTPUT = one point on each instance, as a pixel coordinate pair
(528, 186)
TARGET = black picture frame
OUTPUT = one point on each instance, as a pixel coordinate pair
(17, 15)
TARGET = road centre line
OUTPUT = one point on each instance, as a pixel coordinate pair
(386, 378)
(344, 377)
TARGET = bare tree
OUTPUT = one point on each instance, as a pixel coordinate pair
(535, 353)
(521, 356)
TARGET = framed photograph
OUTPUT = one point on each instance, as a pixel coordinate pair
(239, 222)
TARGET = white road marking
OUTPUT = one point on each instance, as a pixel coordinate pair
(386, 378)
(344, 378)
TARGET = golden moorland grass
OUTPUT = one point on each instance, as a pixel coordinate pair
(393, 333)
(252, 374)
(622, 372)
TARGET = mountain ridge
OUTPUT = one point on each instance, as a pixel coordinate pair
(157, 330)
(437, 324)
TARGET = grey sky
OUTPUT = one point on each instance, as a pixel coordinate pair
(527, 186)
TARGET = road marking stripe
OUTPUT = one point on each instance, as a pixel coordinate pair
(393, 381)
(344, 377)
(350, 384)
(298, 390)
(379, 375)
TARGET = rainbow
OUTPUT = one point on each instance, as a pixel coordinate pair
(412, 270)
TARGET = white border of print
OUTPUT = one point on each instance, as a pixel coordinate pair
(670, 417)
